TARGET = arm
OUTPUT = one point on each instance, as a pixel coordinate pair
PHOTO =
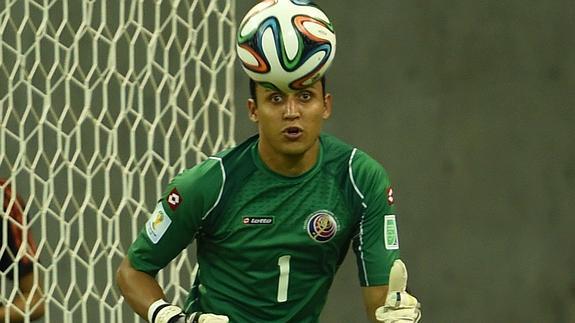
(29, 294)
(139, 289)
(142, 291)
(373, 297)
(169, 230)
(377, 247)
(376, 244)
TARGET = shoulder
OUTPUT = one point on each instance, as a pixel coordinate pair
(366, 169)
(218, 167)
(336, 153)
(239, 152)
(367, 174)
(203, 171)
(363, 162)
(358, 160)
(334, 146)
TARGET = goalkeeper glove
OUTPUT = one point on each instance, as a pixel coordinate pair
(400, 307)
(199, 317)
(163, 312)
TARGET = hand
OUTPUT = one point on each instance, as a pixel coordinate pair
(199, 317)
(400, 307)
(163, 312)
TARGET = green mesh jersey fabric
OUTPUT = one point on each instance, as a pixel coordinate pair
(268, 245)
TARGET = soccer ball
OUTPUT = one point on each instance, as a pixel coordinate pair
(286, 44)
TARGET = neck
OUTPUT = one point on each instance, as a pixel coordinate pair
(290, 165)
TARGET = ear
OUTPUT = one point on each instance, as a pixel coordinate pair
(328, 104)
(253, 110)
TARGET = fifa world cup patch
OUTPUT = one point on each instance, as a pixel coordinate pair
(174, 199)
(390, 231)
(258, 220)
(158, 224)
(321, 226)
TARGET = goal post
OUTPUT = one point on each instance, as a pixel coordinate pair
(101, 104)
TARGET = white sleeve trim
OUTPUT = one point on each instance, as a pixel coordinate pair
(221, 188)
(361, 196)
(351, 175)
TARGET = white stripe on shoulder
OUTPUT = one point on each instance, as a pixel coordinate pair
(221, 188)
(361, 196)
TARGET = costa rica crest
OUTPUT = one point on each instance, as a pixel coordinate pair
(321, 226)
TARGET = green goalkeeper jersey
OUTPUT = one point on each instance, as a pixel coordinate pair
(268, 246)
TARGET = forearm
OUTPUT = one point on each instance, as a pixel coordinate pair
(373, 297)
(140, 289)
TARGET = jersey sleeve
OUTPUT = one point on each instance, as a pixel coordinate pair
(377, 243)
(177, 217)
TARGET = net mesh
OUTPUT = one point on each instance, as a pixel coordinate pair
(101, 103)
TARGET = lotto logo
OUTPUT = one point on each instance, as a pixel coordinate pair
(174, 199)
(258, 220)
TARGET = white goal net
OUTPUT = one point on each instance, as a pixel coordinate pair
(101, 104)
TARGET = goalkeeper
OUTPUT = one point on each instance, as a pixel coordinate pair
(273, 219)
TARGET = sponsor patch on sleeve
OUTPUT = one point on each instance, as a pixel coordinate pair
(390, 231)
(158, 224)
(174, 199)
(390, 199)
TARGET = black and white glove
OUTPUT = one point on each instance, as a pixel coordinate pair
(400, 306)
(163, 312)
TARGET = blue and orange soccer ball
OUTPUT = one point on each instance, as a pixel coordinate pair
(286, 44)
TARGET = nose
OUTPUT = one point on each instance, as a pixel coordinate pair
(291, 109)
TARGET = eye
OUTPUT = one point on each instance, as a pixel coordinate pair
(305, 96)
(276, 98)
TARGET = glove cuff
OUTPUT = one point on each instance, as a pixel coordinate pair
(396, 300)
(194, 317)
(163, 312)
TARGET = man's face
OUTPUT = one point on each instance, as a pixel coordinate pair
(289, 123)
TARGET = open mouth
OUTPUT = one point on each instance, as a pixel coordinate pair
(293, 132)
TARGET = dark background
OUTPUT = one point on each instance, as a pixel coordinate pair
(470, 106)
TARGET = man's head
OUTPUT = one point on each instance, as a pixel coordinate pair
(289, 124)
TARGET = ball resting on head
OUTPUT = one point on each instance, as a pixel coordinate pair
(286, 44)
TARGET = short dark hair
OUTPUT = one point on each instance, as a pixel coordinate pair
(253, 87)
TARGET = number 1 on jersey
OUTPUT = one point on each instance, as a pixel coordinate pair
(283, 263)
